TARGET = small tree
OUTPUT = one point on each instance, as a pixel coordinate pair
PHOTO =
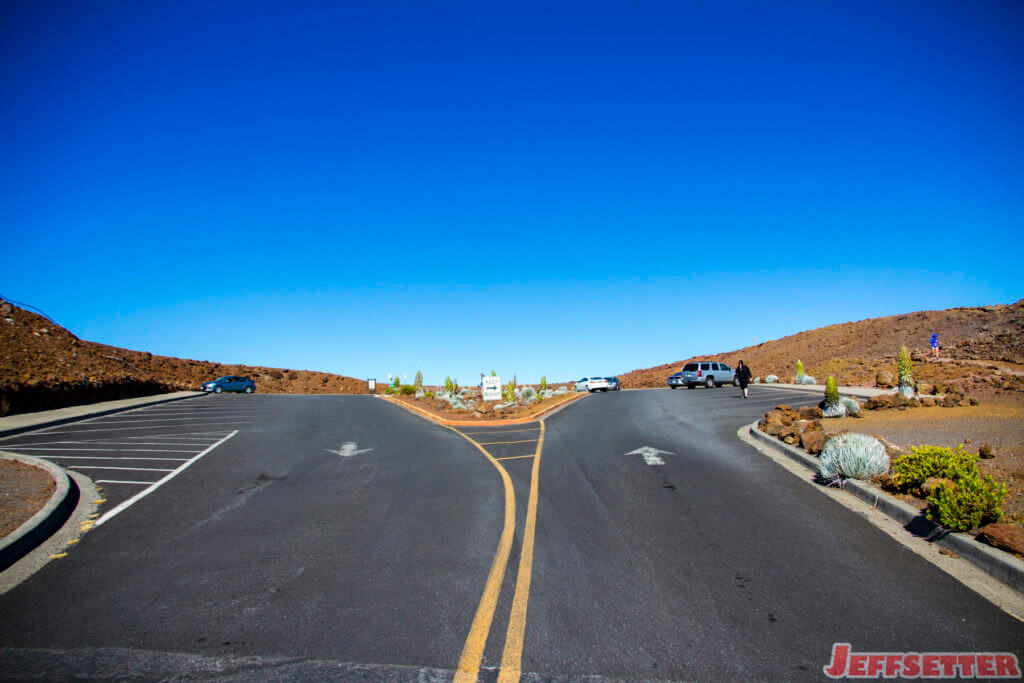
(396, 383)
(799, 371)
(510, 392)
(449, 388)
(543, 382)
(419, 380)
(493, 373)
(906, 380)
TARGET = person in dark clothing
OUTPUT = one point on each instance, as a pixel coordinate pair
(743, 375)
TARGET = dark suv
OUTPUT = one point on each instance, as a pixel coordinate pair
(708, 373)
(230, 383)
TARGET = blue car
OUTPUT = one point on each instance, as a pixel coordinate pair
(613, 383)
(230, 383)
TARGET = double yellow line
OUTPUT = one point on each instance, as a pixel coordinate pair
(512, 655)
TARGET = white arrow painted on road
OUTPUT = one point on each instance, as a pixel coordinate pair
(348, 449)
(650, 455)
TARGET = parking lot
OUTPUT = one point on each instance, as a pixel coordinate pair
(131, 454)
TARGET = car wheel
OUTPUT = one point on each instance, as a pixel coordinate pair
(672, 387)
(248, 390)
(709, 382)
(217, 390)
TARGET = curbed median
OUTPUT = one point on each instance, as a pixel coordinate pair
(47, 520)
(998, 564)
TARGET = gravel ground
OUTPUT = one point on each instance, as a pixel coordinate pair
(997, 421)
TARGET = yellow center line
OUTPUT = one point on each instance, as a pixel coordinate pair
(512, 657)
(516, 457)
(496, 443)
(473, 650)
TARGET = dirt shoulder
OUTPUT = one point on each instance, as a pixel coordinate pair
(997, 421)
(24, 491)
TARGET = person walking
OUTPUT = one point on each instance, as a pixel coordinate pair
(935, 346)
(743, 375)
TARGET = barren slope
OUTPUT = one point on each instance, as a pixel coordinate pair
(855, 351)
(43, 366)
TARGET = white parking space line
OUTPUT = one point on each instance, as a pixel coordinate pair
(163, 419)
(156, 485)
(123, 429)
(101, 450)
(121, 481)
(109, 467)
(96, 442)
(100, 457)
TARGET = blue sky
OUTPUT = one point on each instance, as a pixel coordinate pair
(538, 188)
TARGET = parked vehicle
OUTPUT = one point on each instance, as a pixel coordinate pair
(613, 383)
(708, 373)
(592, 384)
(230, 383)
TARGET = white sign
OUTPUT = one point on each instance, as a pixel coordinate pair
(491, 388)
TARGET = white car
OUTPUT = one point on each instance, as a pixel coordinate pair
(592, 384)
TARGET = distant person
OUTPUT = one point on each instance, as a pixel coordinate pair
(743, 375)
(935, 346)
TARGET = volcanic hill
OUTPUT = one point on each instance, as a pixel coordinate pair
(986, 341)
(44, 366)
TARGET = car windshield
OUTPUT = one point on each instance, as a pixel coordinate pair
(689, 367)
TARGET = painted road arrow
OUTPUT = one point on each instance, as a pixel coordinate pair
(348, 449)
(650, 455)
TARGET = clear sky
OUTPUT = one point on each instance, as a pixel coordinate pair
(538, 188)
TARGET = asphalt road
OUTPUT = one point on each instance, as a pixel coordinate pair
(284, 552)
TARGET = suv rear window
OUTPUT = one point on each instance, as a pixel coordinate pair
(689, 367)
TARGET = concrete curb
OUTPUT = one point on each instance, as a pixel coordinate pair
(42, 419)
(859, 392)
(46, 521)
(997, 563)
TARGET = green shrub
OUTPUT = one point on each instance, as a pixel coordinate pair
(419, 379)
(799, 371)
(509, 395)
(448, 386)
(428, 394)
(966, 504)
(407, 390)
(543, 382)
(831, 391)
(908, 472)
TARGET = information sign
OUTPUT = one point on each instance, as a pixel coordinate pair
(491, 388)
